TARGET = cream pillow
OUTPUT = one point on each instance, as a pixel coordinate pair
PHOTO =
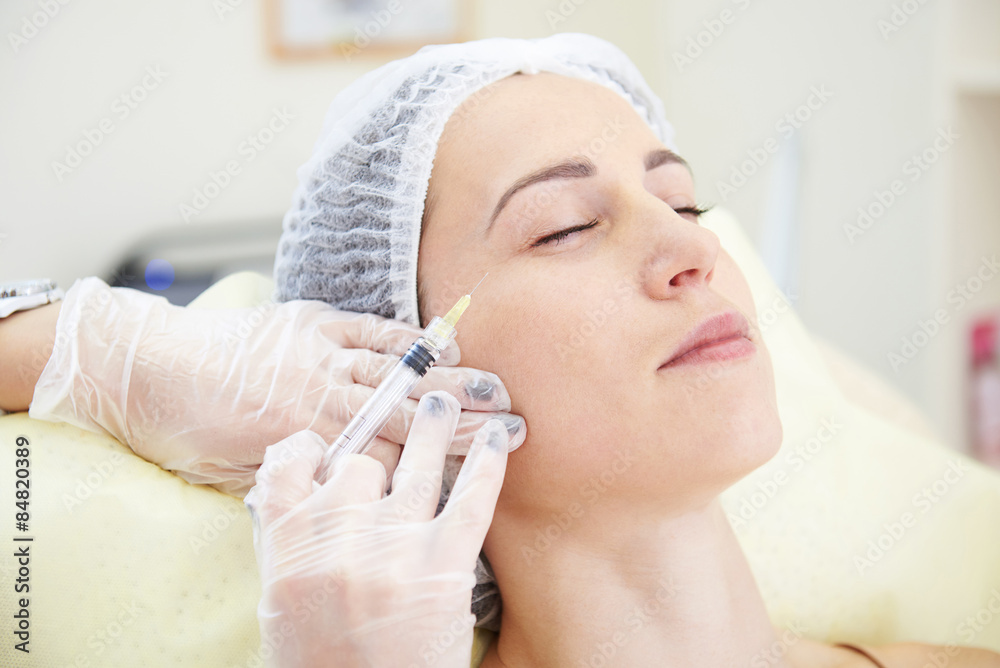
(860, 529)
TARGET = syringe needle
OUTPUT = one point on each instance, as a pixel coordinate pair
(480, 282)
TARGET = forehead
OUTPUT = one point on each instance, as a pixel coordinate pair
(527, 118)
(524, 122)
(506, 131)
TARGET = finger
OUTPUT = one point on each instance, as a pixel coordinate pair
(382, 335)
(285, 477)
(386, 453)
(355, 479)
(396, 427)
(475, 390)
(331, 423)
(470, 422)
(416, 485)
(467, 516)
(382, 451)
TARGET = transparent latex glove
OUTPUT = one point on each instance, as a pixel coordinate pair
(202, 392)
(351, 578)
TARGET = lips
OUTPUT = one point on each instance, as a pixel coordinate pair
(722, 336)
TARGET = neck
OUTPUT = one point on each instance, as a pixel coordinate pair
(675, 592)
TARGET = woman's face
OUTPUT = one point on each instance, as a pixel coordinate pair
(596, 276)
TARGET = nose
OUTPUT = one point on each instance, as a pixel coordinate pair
(678, 254)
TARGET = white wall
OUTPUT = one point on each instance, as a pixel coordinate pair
(221, 85)
(885, 105)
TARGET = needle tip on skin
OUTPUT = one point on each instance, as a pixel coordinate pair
(480, 282)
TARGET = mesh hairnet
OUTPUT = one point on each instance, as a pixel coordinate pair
(352, 233)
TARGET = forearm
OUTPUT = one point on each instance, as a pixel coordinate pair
(26, 340)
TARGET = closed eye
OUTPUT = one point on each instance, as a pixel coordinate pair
(556, 237)
(695, 210)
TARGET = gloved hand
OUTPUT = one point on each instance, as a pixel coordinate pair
(350, 578)
(202, 392)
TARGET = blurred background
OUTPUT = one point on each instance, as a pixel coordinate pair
(156, 145)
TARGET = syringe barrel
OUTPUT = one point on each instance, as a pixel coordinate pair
(375, 412)
(391, 392)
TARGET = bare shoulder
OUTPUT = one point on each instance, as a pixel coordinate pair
(817, 654)
(917, 655)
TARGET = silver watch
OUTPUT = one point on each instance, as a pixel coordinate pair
(24, 295)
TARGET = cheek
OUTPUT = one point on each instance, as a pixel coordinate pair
(518, 338)
(549, 354)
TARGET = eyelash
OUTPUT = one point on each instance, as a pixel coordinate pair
(562, 234)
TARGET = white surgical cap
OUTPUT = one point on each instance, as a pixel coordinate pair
(352, 234)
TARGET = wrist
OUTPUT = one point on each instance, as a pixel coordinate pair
(87, 373)
(26, 340)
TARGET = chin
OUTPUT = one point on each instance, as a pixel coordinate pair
(745, 432)
(754, 435)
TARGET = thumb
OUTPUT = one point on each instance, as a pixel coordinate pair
(285, 478)
(469, 512)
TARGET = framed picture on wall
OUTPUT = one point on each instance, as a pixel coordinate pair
(349, 29)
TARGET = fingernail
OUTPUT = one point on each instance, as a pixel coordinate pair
(495, 433)
(439, 403)
(517, 430)
(489, 388)
(433, 405)
(480, 388)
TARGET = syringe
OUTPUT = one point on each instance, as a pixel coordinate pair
(369, 420)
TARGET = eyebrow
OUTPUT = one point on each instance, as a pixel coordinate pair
(576, 168)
